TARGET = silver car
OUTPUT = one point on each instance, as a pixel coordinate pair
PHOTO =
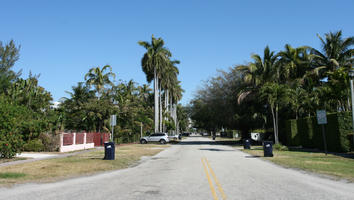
(162, 138)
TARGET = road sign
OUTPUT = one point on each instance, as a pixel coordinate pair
(321, 116)
(113, 120)
(322, 120)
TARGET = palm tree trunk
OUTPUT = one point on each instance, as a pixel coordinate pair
(171, 108)
(277, 124)
(274, 124)
(156, 101)
(175, 116)
(166, 109)
(160, 107)
(166, 100)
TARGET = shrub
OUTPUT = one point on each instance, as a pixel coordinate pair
(34, 145)
(280, 147)
(10, 144)
(50, 141)
(11, 117)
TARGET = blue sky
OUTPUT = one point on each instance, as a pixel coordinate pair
(62, 40)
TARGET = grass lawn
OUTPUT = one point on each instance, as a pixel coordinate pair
(333, 165)
(82, 164)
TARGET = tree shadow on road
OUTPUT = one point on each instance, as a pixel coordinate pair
(252, 156)
(211, 149)
(213, 142)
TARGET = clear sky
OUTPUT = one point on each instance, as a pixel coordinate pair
(61, 40)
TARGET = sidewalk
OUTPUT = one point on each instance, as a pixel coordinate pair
(41, 156)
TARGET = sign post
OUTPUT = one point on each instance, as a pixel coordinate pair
(322, 120)
(113, 123)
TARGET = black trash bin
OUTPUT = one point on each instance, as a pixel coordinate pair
(246, 144)
(109, 151)
(268, 148)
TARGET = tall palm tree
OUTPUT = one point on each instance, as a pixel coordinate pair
(258, 72)
(153, 61)
(334, 62)
(176, 95)
(275, 94)
(98, 78)
(335, 53)
(294, 63)
(169, 78)
(262, 78)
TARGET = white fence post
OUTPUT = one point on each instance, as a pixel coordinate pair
(74, 139)
(61, 142)
(85, 140)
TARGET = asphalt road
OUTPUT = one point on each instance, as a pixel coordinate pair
(195, 169)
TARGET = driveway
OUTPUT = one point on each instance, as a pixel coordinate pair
(194, 169)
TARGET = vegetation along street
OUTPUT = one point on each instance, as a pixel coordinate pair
(176, 100)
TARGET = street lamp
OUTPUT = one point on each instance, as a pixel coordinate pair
(351, 76)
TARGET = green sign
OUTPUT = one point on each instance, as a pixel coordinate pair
(321, 116)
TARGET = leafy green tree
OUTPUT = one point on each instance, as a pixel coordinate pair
(291, 84)
(29, 93)
(75, 116)
(9, 54)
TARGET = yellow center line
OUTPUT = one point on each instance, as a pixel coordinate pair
(216, 180)
(209, 180)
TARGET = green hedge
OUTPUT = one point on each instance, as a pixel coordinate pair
(307, 133)
(35, 145)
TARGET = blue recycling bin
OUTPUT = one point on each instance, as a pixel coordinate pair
(246, 144)
(109, 151)
(268, 148)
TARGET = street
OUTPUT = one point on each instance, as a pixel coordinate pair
(194, 169)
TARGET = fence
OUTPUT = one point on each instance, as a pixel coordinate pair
(80, 141)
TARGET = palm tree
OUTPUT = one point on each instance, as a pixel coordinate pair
(335, 53)
(276, 95)
(153, 61)
(98, 78)
(334, 62)
(169, 78)
(294, 64)
(257, 73)
(261, 78)
(176, 95)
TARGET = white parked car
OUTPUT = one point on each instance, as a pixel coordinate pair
(162, 138)
(173, 137)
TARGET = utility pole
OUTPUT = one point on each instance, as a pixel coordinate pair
(113, 123)
(351, 76)
(141, 129)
